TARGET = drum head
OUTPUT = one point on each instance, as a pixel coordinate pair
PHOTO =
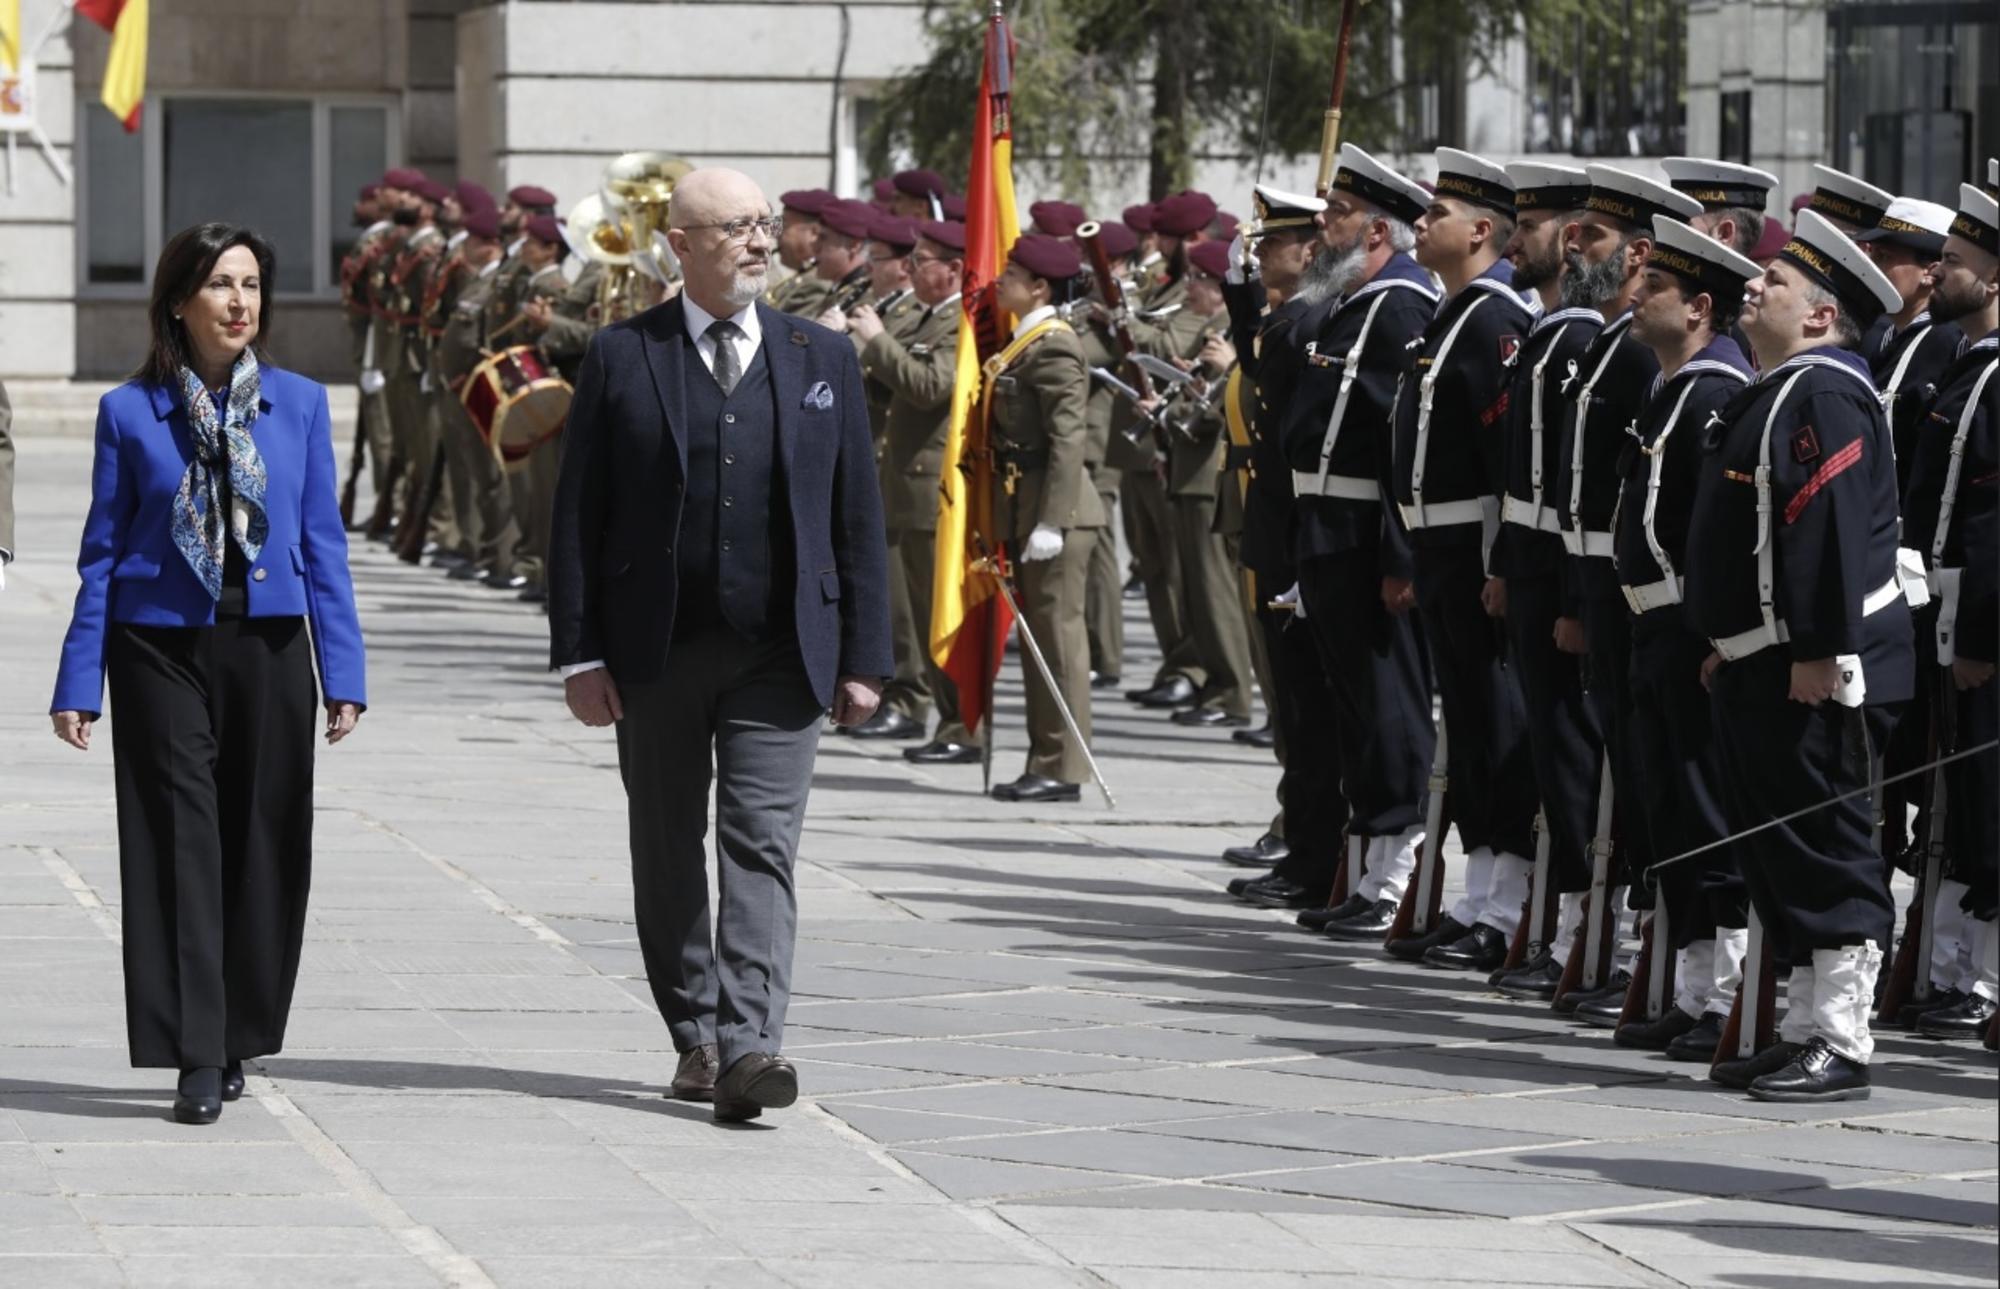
(530, 417)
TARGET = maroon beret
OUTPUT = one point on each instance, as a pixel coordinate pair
(1184, 214)
(430, 190)
(953, 206)
(368, 192)
(1226, 225)
(529, 195)
(887, 230)
(1057, 218)
(545, 228)
(1139, 218)
(1047, 257)
(1116, 239)
(405, 177)
(883, 189)
(484, 221)
(472, 196)
(806, 201)
(1772, 240)
(948, 233)
(1211, 257)
(850, 218)
(919, 183)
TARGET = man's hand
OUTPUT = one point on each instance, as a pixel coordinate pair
(1569, 636)
(593, 697)
(538, 312)
(1708, 666)
(855, 699)
(832, 319)
(72, 728)
(1814, 682)
(1493, 597)
(1217, 354)
(341, 718)
(1967, 674)
(864, 324)
(1399, 595)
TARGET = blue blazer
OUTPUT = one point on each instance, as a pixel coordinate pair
(613, 581)
(131, 570)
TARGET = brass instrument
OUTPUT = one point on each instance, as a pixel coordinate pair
(634, 200)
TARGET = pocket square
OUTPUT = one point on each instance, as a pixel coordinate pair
(819, 397)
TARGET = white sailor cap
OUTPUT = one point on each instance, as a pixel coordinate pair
(1978, 218)
(1700, 260)
(1634, 199)
(1992, 184)
(1831, 257)
(1272, 209)
(1396, 196)
(1541, 186)
(1841, 196)
(1920, 226)
(1720, 185)
(1475, 180)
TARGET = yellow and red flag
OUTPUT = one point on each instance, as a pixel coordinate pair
(10, 35)
(970, 621)
(125, 71)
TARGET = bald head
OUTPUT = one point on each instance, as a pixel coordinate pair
(716, 195)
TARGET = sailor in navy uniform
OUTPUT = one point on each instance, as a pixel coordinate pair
(1606, 390)
(1528, 556)
(1684, 312)
(1368, 300)
(1733, 199)
(1853, 206)
(1951, 515)
(1447, 477)
(1792, 574)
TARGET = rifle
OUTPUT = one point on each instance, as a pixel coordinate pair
(1113, 291)
(410, 537)
(1329, 139)
(355, 463)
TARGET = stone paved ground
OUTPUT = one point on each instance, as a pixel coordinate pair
(1038, 1047)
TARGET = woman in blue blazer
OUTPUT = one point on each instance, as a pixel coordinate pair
(214, 569)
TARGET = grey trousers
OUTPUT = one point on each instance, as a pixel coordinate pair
(746, 716)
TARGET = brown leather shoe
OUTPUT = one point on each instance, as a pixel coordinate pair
(694, 1077)
(757, 1082)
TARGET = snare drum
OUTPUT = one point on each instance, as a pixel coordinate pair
(517, 401)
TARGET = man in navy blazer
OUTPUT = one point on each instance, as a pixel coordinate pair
(718, 581)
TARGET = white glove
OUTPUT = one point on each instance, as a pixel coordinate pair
(1295, 600)
(372, 381)
(425, 383)
(1239, 260)
(1043, 544)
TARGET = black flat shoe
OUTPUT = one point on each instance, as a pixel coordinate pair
(943, 752)
(888, 723)
(1815, 1073)
(1480, 949)
(1913, 1011)
(1209, 718)
(505, 581)
(1535, 980)
(1263, 736)
(1031, 788)
(465, 571)
(1654, 1035)
(1320, 919)
(232, 1081)
(1412, 948)
(1174, 691)
(1604, 1009)
(1266, 852)
(1612, 988)
(754, 1084)
(1372, 922)
(1275, 892)
(1237, 885)
(1968, 1019)
(1099, 680)
(1700, 1042)
(198, 1099)
(1741, 1073)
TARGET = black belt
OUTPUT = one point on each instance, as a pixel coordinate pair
(1022, 458)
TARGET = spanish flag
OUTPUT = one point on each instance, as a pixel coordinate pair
(125, 71)
(970, 621)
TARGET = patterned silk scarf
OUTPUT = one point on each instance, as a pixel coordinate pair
(220, 444)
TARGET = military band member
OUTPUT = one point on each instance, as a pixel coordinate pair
(840, 265)
(918, 195)
(1045, 507)
(488, 518)
(1529, 559)
(802, 294)
(357, 269)
(1952, 517)
(1792, 575)
(1057, 219)
(1447, 476)
(404, 361)
(1104, 611)
(1139, 219)
(916, 362)
(1684, 311)
(555, 323)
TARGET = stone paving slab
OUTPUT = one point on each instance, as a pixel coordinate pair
(1038, 1047)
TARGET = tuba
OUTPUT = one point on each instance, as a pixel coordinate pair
(635, 197)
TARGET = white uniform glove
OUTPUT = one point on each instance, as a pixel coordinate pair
(372, 381)
(425, 384)
(1293, 598)
(1044, 543)
(1239, 260)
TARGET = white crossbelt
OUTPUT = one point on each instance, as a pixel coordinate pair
(1654, 595)
(1475, 510)
(1533, 514)
(1319, 483)
(1666, 591)
(1893, 390)
(1530, 514)
(1943, 582)
(1583, 542)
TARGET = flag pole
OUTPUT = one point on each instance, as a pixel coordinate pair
(1329, 139)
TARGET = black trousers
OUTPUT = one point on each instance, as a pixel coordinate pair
(1817, 882)
(1607, 629)
(1972, 807)
(1375, 665)
(1308, 725)
(212, 740)
(1563, 740)
(1679, 780)
(1492, 771)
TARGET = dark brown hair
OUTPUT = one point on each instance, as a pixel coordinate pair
(185, 264)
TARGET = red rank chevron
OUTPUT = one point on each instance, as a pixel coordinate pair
(1828, 470)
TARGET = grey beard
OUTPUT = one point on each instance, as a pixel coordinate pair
(745, 288)
(1591, 286)
(1332, 272)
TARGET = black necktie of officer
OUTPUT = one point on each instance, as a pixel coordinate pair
(726, 368)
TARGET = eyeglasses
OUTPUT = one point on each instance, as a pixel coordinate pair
(739, 230)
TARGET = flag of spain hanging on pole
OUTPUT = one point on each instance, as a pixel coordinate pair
(125, 71)
(970, 621)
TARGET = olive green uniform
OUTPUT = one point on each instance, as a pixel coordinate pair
(1104, 584)
(488, 511)
(355, 270)
(400, 355)
(803, 295)
(562, 343)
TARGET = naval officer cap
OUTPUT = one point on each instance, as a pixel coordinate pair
(1831, 258)
(1919, 226)
(527, 195)
(1701, 262)
(1978, 218)
(1473, 180)
(1836, 195)
(1541, 186)
(1047, 257)
(1362, 176)
(1273, 210)
(1633, 200)
(1057, 218)
(1720, 185)
(948, 233)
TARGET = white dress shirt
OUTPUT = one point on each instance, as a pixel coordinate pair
(750, 334)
